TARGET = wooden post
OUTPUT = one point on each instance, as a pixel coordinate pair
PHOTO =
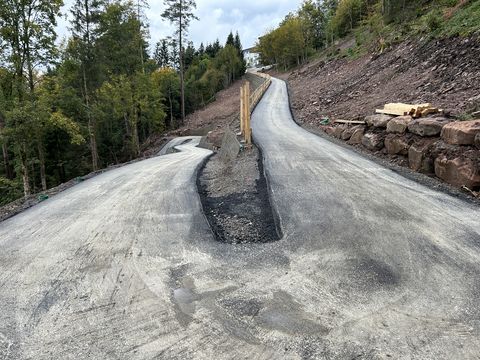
(248, 129)
(242, 111)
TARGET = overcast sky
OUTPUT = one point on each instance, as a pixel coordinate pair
(252, 18)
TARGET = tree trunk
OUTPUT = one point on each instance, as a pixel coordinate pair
(182, 80)
(171, 109)
(91, 125)
(25, 175)
(6, 162)
(41, 158)
(135, 146)
(142, 60)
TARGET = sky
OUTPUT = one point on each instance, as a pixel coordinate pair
(251, 18)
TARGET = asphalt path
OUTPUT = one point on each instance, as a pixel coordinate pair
(124, 265)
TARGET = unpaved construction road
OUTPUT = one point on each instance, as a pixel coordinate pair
(124, 266)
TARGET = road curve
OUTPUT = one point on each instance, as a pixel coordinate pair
(395, 264)
(124, 265)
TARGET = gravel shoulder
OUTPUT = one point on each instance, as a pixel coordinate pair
(235, 199)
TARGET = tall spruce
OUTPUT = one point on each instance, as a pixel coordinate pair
(86, 18)
(162, 54)
(180, 14)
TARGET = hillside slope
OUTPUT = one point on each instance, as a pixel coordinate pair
(443, 72)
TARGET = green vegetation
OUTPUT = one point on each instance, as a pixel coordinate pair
(373, 24)
(91, 102)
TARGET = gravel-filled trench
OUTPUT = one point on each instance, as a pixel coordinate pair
(235, 199)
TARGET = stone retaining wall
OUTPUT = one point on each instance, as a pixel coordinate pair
(435, 145)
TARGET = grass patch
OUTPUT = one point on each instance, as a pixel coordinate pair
(464, 22)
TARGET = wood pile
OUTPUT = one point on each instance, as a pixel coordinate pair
(416, 111)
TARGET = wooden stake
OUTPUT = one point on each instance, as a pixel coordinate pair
(248, 130)
(242, 111)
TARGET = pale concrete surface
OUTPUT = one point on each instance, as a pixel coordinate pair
(124, 266)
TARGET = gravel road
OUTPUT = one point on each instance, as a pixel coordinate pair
(124, 265)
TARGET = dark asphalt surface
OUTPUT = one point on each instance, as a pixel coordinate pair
(124, 265)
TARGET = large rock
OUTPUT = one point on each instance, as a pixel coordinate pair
(477, 141)
(396, 145)
(357, 136)
(459, 171)
(427, 126)
(347, 134)
(339, 131)
(419, 159)
(329, 130)
(230, 147)
(378, 121)
(461, 132)
(399, 124)
(373, 141)
(216, 137)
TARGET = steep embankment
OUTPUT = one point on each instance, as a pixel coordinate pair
(444, 72)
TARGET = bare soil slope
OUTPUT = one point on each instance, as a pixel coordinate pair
(444, 72)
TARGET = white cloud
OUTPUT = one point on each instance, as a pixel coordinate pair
(251, 18)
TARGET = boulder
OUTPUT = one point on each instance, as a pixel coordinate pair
(461, 132)
(329, 130)
(216, 137)
(428, 126)
(418, 158)
(399, 124)
(357, 136)
(347, 134)
(396, 145)
(378, 121)
(373, 141)
(458, 172)
(230, 147)
(477, 141)
(339, 131)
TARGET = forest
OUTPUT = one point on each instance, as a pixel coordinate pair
(70, 108)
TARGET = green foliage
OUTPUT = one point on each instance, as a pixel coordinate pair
(284, 46)
(10, 190)
(464, 20)
(168, 82)
(347, 16)
(434, 20)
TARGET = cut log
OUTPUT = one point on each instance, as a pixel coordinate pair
(392, 112)
(356, 122)
(429, 111)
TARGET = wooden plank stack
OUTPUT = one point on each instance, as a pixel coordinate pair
(416, 111)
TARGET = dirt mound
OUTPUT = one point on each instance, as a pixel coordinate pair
(443, 72)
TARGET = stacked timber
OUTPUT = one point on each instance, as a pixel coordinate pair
(415, 111)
